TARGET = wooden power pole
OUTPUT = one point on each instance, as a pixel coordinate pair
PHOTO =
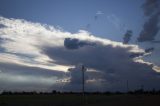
(83, 70)
(83, 87)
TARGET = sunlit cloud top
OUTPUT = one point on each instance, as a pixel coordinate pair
(26, 45)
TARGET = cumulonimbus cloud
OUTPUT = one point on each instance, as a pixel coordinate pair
(44, 47)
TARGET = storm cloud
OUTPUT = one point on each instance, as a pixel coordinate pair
(127, 36)
(73, 43)
(151, 27)
(149, 50)
(37, 51)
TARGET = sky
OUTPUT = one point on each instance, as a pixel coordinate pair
(45, 43)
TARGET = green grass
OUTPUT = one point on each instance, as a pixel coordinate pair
(76, 100)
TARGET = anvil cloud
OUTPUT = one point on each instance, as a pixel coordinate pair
(42, 53)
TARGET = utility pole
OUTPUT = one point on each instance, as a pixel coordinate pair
(83, 69)
(127, 86)
(83, 82)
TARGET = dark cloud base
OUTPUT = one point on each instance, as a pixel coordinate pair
(109, 64)
(114, 67)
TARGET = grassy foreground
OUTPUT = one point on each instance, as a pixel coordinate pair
(76, 100)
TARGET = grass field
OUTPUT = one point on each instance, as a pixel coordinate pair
(76, 100)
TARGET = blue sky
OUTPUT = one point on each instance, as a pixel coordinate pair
(73, 15)
(43, 44)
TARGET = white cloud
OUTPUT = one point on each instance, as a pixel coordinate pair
(23, 41)
(156, 68)
(41, 46)
(99, 13)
